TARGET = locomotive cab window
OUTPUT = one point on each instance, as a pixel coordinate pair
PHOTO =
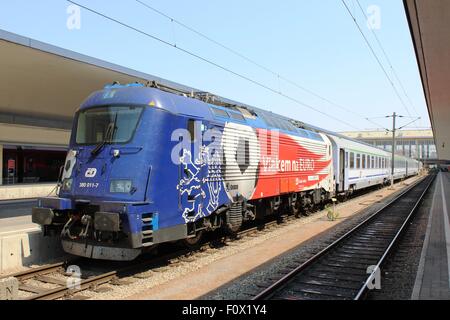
(113, 124)
(237, 116)
(220, 113)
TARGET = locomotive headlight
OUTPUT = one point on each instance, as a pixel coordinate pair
(120, 186)
(67, 184)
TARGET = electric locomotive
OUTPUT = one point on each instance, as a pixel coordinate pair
(150, 164)
(147, 166)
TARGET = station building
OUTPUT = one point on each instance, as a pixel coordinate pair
(41, 87)
(417, 144)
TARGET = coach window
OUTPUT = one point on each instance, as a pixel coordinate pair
(346, 160)
(364, 163)
(352, 160)
(358, 161)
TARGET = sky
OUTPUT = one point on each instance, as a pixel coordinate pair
(314, 44)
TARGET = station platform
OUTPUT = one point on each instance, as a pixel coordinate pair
(26, 191)
(23, 244)
(21, 241)
(433, 275)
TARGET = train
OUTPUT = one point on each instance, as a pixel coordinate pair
(148, 164)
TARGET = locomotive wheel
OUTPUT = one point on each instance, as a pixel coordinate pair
(193, 242)
(296, 209)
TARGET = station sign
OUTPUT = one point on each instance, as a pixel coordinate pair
(11, 164)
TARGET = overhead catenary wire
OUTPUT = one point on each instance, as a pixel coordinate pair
(255, 82)
(377, 124)
(394, 72)
(409, 123)
(277, 75)
(376, 57)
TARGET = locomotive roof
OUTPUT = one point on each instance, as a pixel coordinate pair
(174, 101)
(141, 95)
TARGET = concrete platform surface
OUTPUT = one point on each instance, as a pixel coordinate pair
(433, 275)
(26, 191)
(22, 244)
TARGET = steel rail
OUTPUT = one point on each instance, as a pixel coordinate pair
(108, 276)
(31, 273)
(269, 291)
(365, 286)
(62, 291)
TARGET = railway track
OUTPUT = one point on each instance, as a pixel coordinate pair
(55, 275)
(349, 266)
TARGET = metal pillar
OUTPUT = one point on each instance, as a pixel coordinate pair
(393, 149)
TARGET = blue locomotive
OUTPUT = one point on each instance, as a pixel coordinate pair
(147, 166)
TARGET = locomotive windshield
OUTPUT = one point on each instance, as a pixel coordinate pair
(94, 124)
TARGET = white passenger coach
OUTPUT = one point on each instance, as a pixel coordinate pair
(359, 165)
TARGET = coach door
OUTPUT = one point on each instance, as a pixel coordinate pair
(341, 169)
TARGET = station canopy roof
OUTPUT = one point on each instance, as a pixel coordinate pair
(43, 85)
(429, 23)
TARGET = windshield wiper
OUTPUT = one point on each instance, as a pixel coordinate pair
(108, 137)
